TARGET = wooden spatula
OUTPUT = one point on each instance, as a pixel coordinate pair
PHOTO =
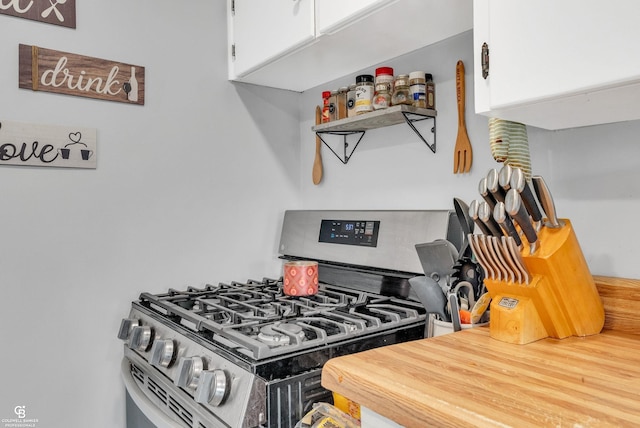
(317, 162)
(462, 155)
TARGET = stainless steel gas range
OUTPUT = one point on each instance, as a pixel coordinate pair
(244, 354)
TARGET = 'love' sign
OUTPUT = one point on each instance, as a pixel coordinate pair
(45, 145)
(66, 73)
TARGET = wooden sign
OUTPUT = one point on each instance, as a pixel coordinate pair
(44, 145)
(66, 73)
(57, 12)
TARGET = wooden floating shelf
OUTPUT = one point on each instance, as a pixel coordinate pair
(376, 119)
(390, 116)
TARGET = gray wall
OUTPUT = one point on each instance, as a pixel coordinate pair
(190, 188)
(592, 171)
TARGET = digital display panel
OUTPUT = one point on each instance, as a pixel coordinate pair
(350, 232)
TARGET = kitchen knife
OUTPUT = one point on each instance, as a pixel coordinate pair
(546, 200)
(519, 183)
(488, 197)
(482, 243)
(477, 251)
(485, 215)
(500, 215)
(507, 270)
(473, 213)
(504, 177)
(493, 186)
(508, 257)
(516, 209)
(517, 258)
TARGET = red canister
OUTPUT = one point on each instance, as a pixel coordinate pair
(300, 278)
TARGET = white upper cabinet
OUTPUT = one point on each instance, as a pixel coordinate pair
(331, 15)
(346, 36)
(264, 30)
(558, 64)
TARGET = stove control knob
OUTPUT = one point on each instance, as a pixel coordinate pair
(189, 370)
(212, 388)
(126, 327)
(162, 352)
(140, 338)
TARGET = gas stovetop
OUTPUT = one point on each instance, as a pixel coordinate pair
(257, 320)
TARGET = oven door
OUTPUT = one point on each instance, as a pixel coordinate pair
(141, 412)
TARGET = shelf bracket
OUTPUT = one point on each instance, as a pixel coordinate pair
(346, 156)
(410, 118)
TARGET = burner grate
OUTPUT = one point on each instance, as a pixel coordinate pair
(256, 319)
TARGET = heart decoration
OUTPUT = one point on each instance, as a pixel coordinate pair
(75, 136)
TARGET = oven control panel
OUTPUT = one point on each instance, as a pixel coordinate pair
(350, 232)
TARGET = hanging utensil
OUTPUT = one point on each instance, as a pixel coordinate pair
(317, 162)
(462, 155)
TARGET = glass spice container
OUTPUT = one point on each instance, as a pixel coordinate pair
(351, 101)
(364, 93)
(401, 90)
(333, 108)
(430, 90)
(382, 97)
(341, 103)
(384, 75)
(417, 84)
(325, 106)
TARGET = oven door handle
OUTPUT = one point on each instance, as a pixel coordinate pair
(150, 410)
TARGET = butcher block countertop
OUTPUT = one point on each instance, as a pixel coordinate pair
(469, 379)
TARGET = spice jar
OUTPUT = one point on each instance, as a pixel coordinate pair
(364, 93)
(417, 89)
(384, 75)
(333, 108)
(325, 106)
(401, 90)
(351, 101)
(430, 90)
(381, 97)
(341, 102)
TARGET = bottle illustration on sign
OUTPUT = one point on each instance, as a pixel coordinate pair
(132, 94)
(75, 137)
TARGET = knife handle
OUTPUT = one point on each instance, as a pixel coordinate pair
(514, 206)
(494, 187)
(504, 177)
(503, 219)
(546, 200)
(473, 213)
(484, 212)
(519, 182)
(488, 197)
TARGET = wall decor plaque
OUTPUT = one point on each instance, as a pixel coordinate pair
(57, 12)
(46, 145)
(48, 70)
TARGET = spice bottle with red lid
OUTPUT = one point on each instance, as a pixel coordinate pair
(325, 106)
(383, 88)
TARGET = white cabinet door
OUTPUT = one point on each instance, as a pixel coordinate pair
(558, 64)
(331, 15)
(275, 45)
(264, 30)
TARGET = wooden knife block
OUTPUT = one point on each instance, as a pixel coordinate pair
(561, 299)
